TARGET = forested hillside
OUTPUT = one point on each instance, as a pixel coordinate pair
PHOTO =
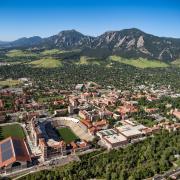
(138, 161)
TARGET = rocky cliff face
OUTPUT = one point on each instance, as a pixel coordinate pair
(128, 43)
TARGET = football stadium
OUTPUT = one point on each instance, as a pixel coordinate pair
(59, 136)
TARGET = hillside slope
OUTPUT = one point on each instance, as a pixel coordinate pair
(129, 43)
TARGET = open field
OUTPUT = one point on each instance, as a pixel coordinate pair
(20, 53)
(84, 60)
(9, 82)
(52, 52)
(46, 63)
(14, 130)
(56, 52)
(139, 63)
(67, 134)
(178, 162)
(46, 60)
(176, 63)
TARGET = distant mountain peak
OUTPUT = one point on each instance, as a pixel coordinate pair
(130, 43)
(31, 41)
(69, 32)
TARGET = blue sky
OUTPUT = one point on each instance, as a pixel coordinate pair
(25, 18)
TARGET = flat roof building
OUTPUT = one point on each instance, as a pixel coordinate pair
(115, 140)
(111, 138)
(131, 132)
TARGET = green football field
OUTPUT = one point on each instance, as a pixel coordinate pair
(14, 130)
(66, 134)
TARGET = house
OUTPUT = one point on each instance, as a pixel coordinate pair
(126, 108)
(80, 87)
(105, 114)
(87, 123)
(83, 114)
(58, 102)
(60, 112)
(151, 110)
(23, 79)
(103, 124)
(152, 98)
(1, 104)
(116, 116)
(73, 101)
(92, 130)
(176, 113)
(16, 91)
(86, 95)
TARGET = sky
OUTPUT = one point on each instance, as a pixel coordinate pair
(26, 18)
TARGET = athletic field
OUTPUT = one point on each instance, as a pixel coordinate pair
(14, 130)
(66, 134)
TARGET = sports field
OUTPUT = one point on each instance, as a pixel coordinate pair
(14, 130)
(66, 134)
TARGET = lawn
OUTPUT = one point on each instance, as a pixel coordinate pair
(139, 63)
(84, 60)
(46, 63)
(178, 162)
(66, 134)
(56, 52)
(52, 52)
(9, 82)
(176, 63)
(14, 130)
(20, 53)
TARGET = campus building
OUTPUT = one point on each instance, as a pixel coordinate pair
(14, 154)
(112, 139)
(131, 132)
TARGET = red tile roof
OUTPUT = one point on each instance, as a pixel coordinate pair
(1, 103)
(87, 123)
(92, 130)
(101, 123)
(82, 144)
(17, 150)
(74, 145)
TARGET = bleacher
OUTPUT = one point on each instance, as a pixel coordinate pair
(79, 129)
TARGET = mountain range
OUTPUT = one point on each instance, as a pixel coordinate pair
(129, 43)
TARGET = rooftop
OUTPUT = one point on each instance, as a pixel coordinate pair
(129, 130)
(107, 132)
(12, 150)
(115, 138)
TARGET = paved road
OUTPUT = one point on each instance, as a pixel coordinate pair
(55, 162)
(167, 174)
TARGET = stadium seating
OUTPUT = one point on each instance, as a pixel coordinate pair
(76, 126)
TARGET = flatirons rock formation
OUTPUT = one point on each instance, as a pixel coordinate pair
(131, 43)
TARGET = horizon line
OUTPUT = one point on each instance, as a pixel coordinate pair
(8, 41)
